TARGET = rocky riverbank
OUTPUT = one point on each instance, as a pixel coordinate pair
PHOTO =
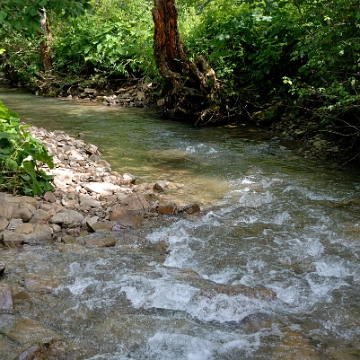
(89, 198)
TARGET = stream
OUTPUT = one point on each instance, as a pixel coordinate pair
(270, 220)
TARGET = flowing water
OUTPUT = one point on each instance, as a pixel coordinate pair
(270, 220)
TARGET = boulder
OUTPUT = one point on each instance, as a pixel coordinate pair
(67, 218)
(99, 240)
(135, 202)
(125, 218)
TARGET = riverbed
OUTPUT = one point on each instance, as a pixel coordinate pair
(269, 220)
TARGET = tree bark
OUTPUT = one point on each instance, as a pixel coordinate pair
(45, 45)
(192, 87)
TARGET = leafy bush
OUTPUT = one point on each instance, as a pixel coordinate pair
(20, 153)
(115, 39)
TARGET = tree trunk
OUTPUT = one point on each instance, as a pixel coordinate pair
(45, 45)
(192, 89)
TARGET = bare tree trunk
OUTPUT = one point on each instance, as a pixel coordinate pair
(192, 87)
(45, 46)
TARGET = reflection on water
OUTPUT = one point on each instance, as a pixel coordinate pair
(272, 221)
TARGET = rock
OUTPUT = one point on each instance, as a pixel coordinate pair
(11, 239)
(164, 186)
(25, 229)
(233, 290)
(102, 188)
(128, 178)
(103, 227)
(30, 353)
(21, 295)
(40, 234)
(125, 218)
(294, 346)
(68, 239)
(5, 210)
(67, 218)
(87, 202)
(63, 175)
(56, 228)
(167, 209)
(190, 209)
(26, 331)
(14, 224)
(135, 202)
(6, 299)
(90, 91)
(40, 216)
(23, 211)
(41, 284)
(92, 149)
(3, 223)
(89, 221)
(100, 240)
(140, 95)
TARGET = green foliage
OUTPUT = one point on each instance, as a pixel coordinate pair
(22, 15)
(116, 38)
(20, 153)
(303, 54)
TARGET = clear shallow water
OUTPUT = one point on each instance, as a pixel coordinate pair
(270, 220)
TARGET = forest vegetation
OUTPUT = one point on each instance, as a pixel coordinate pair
(293, 65)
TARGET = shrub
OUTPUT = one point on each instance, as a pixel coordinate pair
(20, 154)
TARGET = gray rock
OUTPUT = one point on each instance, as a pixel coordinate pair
(103, 227)
(100, 240)
(12, 239)
(22, 211)
(14, 224)
(41, 233)
(40, 216)
(66, 217)
(87, 202)
(90, 91)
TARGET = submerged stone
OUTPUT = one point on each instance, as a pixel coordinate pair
(6, 299)
(26, 331)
